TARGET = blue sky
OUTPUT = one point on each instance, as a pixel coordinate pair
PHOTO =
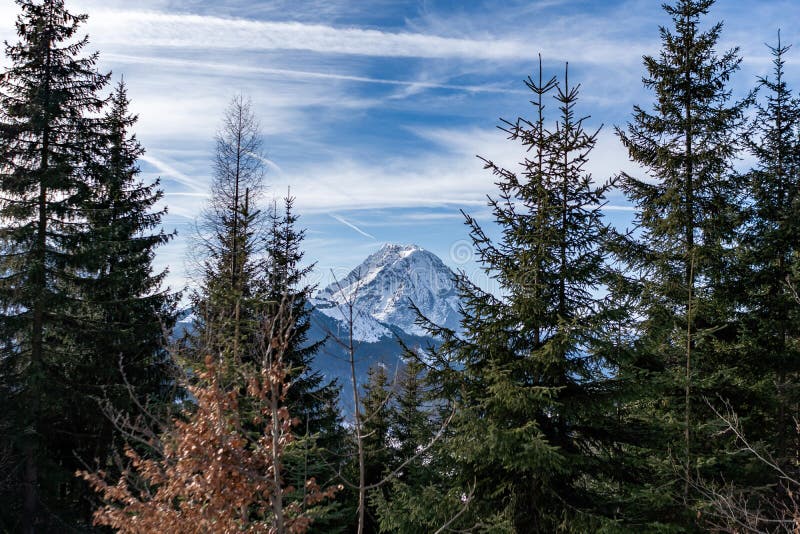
(373, 110)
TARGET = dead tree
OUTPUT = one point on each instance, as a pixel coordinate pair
(228, 234)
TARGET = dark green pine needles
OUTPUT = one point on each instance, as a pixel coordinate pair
(687, 209)
(532, 435)
(71, 275)
(768, 240)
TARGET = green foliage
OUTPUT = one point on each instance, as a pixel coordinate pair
(80, 302)
(128, 312)
(422, 496)
(228, 305)
(578, 398)
(769, 237)
(312, 400)
(687, 209)
(47, 95)
(254, 280)
(532, 433)
(760, 291)
(375, 414)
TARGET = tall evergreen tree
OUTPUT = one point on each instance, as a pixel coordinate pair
(312, 400)
(687, 209)
(410, 422)
(769, 237)
(133, 309)
(48, 105)
(420, 497)
(525, 375)
(375, 411)
(761, 290)
(127, 314)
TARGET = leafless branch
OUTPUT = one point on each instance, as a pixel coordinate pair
(467, 500)
(740, 510)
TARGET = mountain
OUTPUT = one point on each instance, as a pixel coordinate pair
(382, 289)
(384, 286)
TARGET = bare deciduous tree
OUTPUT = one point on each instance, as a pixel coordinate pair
(229, 229)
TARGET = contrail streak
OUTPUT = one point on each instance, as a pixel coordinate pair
(353, 226)
(222, 67)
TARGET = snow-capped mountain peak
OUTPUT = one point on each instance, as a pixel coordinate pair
(387, 282)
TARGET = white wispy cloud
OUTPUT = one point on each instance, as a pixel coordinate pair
(168, 171)
(268, 162)
(160, 29)
(154, 26)
(447, 174)
(337, 90)
(618, 207)
(221, 68)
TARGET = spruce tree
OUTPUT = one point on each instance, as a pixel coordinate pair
(410, 422)
(761, 290)
(677, 262)
(48, 110)
(532, 421)
(252, 270)
(768, 239)
(312, 400)
(124, 231)
(375, 412)
(127, 314)
(421, 496)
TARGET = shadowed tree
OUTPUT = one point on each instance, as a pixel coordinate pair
(769, 238)
(48, 120)
(128, 313)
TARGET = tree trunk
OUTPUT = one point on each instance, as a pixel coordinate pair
(362, 490)
(277, 492)
(690, 259)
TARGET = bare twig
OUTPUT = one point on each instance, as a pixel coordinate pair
(732, 509)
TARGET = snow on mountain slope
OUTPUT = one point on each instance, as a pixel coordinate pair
(385, 285)
(365, 327)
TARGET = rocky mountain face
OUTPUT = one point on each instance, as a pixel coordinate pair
(383, 288)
